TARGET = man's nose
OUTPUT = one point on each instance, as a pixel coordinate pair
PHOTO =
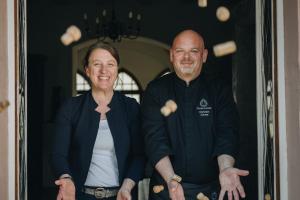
(186, 55)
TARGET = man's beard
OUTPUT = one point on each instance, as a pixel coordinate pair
(187, 69)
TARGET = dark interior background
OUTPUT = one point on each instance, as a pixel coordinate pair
(50, 64)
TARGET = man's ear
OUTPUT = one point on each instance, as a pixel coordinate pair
(171, 55)
(204, 55)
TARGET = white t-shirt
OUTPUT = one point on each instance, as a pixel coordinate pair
(104, 166)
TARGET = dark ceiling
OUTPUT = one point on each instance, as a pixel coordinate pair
(141, 2)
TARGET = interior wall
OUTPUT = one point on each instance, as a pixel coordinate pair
(7, 93)
(3, 96)
(292, 91)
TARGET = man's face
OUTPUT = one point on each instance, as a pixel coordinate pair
(188, 55)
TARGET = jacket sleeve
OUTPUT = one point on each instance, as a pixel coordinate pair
(156, 139)
(137, 165)
(226, 123)
(61, 140)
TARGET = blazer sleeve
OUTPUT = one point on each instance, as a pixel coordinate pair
(61, 140)
(157, 144)
(137, 161)
(226, 123)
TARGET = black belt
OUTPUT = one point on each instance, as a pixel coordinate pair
(101, 192)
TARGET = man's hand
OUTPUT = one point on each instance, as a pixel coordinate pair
(230, 183)
(164, 167)
(175, 190)
(66, 189)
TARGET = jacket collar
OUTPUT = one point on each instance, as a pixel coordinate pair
(193, 82)
(93, 104)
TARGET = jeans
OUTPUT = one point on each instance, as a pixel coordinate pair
(84, 196)
(191, 191)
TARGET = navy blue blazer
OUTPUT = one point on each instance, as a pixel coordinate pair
(76, 128)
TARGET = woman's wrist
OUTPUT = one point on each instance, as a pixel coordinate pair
(128, 184)
(66, 177)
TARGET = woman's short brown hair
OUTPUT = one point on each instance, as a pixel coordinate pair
(112, 50)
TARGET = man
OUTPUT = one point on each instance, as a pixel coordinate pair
(193, 147)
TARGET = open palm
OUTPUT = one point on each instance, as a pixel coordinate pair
(230, 183)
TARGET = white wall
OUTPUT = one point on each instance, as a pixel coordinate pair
(288, 97)
(7, 92)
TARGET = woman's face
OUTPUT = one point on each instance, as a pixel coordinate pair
(102, 70)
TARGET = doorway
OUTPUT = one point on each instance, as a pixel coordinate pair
(51, 68)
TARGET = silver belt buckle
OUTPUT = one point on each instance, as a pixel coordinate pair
(99, 193)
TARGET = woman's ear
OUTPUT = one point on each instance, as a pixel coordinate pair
(87, 71)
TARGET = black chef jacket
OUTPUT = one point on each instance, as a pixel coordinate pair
(204, 126)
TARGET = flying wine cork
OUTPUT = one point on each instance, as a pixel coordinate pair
(72, 34)
(223, 14)
(158, 188)
(172, 105)
(200, 196)
(166, 111)
(202, 3)
(66, 39)
(267, 197)
(169, 107)
(225, 48)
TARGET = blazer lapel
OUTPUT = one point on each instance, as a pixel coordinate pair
(87, 130)
(118, 128)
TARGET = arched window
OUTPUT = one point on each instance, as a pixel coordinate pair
(82, 83)
(126, 84)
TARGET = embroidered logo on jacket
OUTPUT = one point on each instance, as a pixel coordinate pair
(203, 109)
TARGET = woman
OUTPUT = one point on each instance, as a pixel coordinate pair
(98, 151)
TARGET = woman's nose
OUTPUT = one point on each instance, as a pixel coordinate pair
(102, 68)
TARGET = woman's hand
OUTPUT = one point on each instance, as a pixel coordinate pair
(125, 190)
(66, 189)
(124, 194)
